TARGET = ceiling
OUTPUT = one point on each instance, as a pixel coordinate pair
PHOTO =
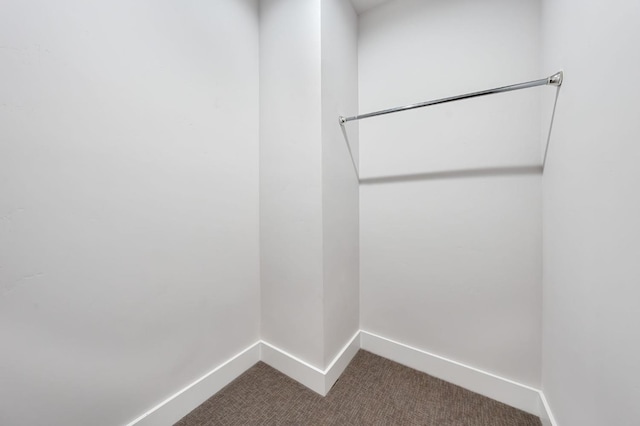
(364, 5)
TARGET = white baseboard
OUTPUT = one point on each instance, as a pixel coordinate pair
(292, 366)
(546, 416)
(183, 402)
(341, 361)
(319, 381)
(504, 390)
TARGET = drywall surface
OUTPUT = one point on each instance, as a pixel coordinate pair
(361, 6)
(129, 203)
(339, 25)
(591, 343)
(291, 178)
(450, 199)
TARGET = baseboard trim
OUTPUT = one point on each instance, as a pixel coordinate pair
(504, 390)
(319, 381)
(292, 366)
(341, 361)
(183, 402)
(546, 416)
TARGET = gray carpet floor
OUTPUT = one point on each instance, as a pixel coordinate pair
(371, 391)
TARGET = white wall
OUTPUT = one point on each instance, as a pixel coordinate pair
(451, 250)
(339, 179)
(129, 207)
(591, 343)
(291, 178)
(308, 187)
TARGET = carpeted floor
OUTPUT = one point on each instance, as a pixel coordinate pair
(371, 391)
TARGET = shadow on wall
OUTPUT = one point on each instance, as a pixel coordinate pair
(463, 173)
(453, 174)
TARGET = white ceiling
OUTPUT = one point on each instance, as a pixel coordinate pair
(363, 5)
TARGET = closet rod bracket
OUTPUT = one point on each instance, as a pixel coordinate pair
(556, 79)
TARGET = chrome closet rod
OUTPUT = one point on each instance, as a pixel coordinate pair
(554, 80)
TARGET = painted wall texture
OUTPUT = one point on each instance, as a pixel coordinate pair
(291, 178)
(129, 209)
(450, 200)
(340, 192)
(308, 188)
(591, 343)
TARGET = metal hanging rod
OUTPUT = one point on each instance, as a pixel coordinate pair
(554, 80)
